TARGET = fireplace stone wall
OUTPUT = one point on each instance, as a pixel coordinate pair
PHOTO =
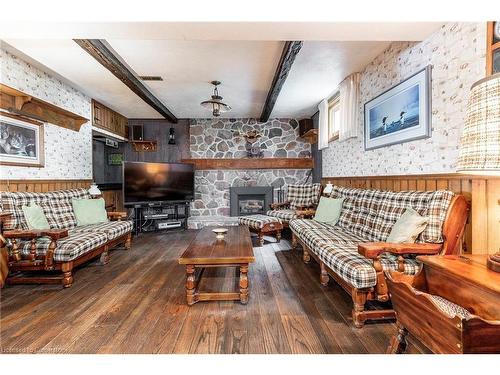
(225, 138)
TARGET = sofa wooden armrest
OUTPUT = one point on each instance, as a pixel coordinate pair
(277, 206)
(53, 234)
(305, 213)
(117, 215)
(372, 250)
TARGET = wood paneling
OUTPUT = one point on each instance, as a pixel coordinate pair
(107, 119)
(158, 130)
(42, 186)
(113, 200)
(265, 163)
(482, 234)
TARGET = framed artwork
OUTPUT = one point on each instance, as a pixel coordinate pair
(400, 114)
(493, 48)
(21, 141)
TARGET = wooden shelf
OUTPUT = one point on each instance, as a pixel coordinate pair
(264, 163)
(144, 146)
(311, 136)
(18, 102)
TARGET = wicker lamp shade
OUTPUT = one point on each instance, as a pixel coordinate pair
(479, 150)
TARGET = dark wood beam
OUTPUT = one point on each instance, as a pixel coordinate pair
(98, 50)
(290, 51)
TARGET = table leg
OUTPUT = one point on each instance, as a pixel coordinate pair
(244, 284)
(190, 284)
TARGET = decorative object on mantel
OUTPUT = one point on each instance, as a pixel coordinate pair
(479, 151)
(215, 104)
(400, 114)
(493, 48)
(251, 163)
(311, 136)
(21, 141)
(253, 149)
(18, 102)
(144, 146)
(94, 191)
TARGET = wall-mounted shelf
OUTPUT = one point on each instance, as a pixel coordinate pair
(144, 146)
(262, 163)
(20, 103)
(311, 136)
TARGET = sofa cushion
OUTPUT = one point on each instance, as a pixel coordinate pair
(312, 233)
(13, 202)
(35, 217)
(112, 229)
(371, 214)
(89, 211)
(408, 227)
(303, 195)
(285, 215)
(59, 208)
(328, 210)
(67, 248)
(358, 271)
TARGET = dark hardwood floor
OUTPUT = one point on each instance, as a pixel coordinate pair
(136, 304)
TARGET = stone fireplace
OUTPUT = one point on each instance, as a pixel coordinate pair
(250, 200)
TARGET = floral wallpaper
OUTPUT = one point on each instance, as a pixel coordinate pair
(68, 154)
(457, 55)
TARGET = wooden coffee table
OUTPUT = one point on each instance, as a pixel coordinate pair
(206, 251)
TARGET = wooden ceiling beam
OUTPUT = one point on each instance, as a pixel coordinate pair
(98, 49)
(290, 51)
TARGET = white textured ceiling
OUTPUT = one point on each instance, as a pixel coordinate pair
(245, 67)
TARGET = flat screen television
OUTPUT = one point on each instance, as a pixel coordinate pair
(157, 182)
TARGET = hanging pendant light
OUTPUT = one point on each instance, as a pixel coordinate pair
(215, 104)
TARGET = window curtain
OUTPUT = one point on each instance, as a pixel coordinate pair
(323, 125)
(349, 107)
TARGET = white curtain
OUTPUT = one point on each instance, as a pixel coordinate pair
(323, 125)
(349, 107)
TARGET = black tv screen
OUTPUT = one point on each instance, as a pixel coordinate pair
(157, 182)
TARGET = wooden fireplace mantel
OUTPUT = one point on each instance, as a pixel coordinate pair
(264, 163)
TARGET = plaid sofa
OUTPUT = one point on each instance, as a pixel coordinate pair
(58, 209)
(298, 196)
(369, 215)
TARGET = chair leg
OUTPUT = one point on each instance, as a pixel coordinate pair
(358, 316)
(278, 236)
(305, 255)
(294, 241)
(324, 277)
(104, 258)
(398, 343)
(67, 270)
(128, 242)
(261, 239)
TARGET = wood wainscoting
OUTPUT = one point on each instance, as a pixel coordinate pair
(482, 233)
(42, 186)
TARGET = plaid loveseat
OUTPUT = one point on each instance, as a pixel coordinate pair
(297, 197)
(368, 216)
(58, 209)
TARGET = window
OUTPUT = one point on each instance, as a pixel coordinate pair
(333, 118)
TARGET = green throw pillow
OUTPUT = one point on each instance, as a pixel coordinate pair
(35, 217)
(328, 210)
(408, 227)
(89, 211)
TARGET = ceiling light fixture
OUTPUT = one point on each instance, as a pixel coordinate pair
(215, 104)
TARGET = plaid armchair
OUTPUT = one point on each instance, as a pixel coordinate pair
(301, 202)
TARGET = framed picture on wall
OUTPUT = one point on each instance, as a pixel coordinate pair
(400, 114)
(21, 141)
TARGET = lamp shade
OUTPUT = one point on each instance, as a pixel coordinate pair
(94, 190)
(479, 151)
